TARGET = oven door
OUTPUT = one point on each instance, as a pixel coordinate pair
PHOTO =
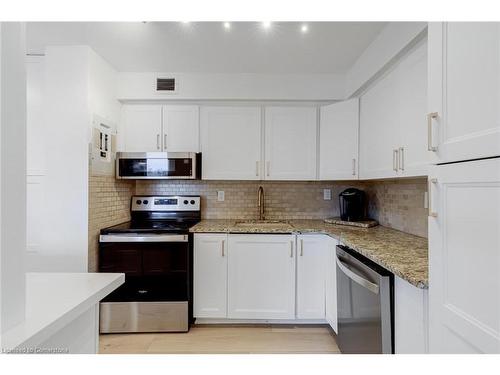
(156, 294)
(156, 267)
(156, 165)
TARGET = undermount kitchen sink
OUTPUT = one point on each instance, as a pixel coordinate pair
(269, 224)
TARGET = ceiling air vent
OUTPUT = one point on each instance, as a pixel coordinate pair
(166, 85)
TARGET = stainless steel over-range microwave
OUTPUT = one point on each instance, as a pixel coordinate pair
(158, 165)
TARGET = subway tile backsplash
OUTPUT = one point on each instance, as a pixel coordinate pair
(398, 204)
(109, 204)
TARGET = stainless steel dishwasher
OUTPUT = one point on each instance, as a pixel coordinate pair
(365, 304)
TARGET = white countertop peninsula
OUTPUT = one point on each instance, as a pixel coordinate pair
(62, 313)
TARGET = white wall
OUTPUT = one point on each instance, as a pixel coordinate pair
(12, 173)
(395, 39)
(141, 86)
(103, 89)
(66, 87)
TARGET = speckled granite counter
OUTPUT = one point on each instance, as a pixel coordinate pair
(403, 254)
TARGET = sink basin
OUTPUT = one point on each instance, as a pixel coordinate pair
(240, 222)
(261, 224)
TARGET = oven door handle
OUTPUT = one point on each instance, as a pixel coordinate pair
(143, 238)
(356, 278)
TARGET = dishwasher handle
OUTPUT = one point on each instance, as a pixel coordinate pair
(356, 278)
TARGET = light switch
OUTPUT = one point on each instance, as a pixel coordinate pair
(220, 195)
(327, 194)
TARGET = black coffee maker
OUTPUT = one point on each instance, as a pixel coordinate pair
(352, 205)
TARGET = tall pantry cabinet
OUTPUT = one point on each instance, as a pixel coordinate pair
(464, 194)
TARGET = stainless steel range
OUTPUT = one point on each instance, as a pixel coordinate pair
(154, 250)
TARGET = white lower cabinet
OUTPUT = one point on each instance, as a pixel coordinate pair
(261, 276)
(210, 275)
(331, 284)
(265, 277)
(411, 318)
(312, 253)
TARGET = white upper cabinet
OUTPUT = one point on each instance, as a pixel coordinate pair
(338, 141)
(378, 130)
(413, 155)
(140, 129)
(290, 143)
(464, 90)
(464, 257)
(231, 143)
(172, 128)
(393, 134)
(181, 128)
(312, 256)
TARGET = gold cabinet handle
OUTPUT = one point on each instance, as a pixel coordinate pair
(222, 248)
(301, 247)
(430, 117)
(429, 195)
(354, 167)
(291, 249)
(157, 141)
(268, 164)
(164, 142)
(257, 168)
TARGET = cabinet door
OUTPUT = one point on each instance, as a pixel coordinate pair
(312, 255)
(411, 313)
(464, 257)
(231, 143)
(464, 66)
(331, 284)
(290, 144)
(210, 276)
(379, 135)
(261, 276)
(338, 138)
(413, 154)
(181, 128)
(140, 128)
(393, 134)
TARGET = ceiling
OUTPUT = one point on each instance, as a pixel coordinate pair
(210, 47)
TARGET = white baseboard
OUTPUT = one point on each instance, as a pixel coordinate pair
(259, 321)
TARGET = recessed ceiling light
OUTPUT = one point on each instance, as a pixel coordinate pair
(266, 25)
(227, 25)
(304, 28)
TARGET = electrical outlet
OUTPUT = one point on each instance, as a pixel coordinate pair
(327, 194)
(220, 195)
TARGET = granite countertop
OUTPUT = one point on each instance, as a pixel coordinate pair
(403, 254)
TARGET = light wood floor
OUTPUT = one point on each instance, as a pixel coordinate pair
(220, 339)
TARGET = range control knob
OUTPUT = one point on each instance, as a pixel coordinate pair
(145, 201)
(185, 201)
(192, 201)
(138, 201)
